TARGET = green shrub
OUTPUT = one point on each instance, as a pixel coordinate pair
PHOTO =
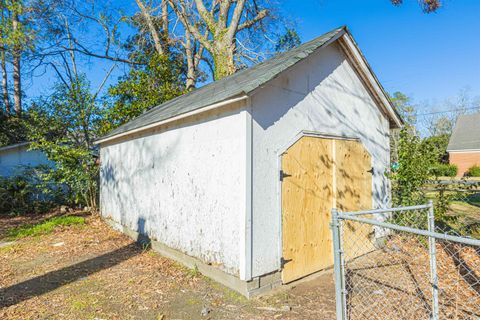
(474, 171)
(28, 193)
(415, 158)
(444, 170)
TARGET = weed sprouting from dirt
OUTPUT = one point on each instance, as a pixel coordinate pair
(194, 272)
(146, 246)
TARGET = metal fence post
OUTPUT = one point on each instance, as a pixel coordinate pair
(433, 261)
(337, 267)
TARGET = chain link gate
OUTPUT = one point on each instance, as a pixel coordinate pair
(399, 264)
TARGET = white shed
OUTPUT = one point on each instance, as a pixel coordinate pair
(15, 158)
(239, 177)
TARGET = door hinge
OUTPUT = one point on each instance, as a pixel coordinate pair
(284, 261)
(284, 175)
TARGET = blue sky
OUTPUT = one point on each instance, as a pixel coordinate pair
(430, 57)
(427, 56)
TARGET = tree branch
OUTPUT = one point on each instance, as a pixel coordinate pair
(223, 14)
(151, 26)
(107, 75)
(247, 24)
(205, 14)
(58, 73)
(237, 15)
(180, 10)
(87, 52)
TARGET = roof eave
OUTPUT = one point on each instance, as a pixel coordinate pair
(14, 146)
(228, 101)
(464, 150)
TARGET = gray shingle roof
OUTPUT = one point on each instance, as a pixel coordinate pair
(242, 82)
(14, 146)
(466, 133)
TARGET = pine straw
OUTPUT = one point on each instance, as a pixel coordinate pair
(96, 272)
(395, 281)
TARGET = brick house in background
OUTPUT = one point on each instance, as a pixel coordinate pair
(464, 145)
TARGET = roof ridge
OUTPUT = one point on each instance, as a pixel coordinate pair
(243, 81)
(236, 74)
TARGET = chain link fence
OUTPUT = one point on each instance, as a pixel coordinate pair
(402, 264)
(458, 201)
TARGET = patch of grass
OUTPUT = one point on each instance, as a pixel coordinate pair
(82, 302)
(465, 209)
(194, 301)
(194, 273)
(8, 248)
(45, 227)
(474, 199)
(234, 296)
(79, 305)
(228, 294)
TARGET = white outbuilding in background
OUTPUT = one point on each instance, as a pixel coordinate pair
(15, 158)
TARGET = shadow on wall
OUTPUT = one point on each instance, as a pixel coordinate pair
(50, 281)
(143, 237)
(120, 196)
(331, 117)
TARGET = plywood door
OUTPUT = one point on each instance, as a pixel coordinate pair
(306, 202)
(353, 178)
(320, 174)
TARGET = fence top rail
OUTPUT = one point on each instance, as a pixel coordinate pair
(453, 182)
(387, 210)
(441, 236)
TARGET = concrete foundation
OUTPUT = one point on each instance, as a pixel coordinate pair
(255, 287)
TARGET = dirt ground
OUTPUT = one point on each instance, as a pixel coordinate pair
(395, 280)
(93, 272)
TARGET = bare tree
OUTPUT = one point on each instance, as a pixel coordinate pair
(222, 22)
(17, 78)
(157, 26)
(17, 56)
(5, 95)
(3, 64)
(440, 118)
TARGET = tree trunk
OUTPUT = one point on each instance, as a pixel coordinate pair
(6, 100)
(3, 64)
(223, 61)
(191, 78)
(17, 85)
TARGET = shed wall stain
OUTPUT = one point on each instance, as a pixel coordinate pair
(187, 186)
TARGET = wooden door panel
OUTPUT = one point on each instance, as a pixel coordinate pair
(319, 174)
(306, 207)
(353, 181)
(354, 192)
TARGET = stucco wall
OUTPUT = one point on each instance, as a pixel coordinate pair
(183, 186)
(464, 160)
(13, 161)
(321, 94)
